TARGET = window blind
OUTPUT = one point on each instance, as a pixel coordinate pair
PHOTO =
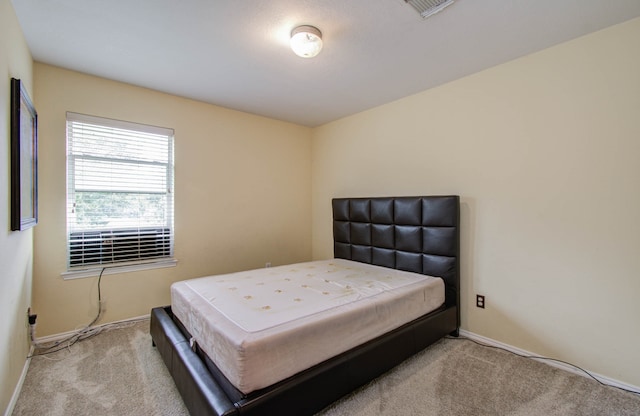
(119, 192)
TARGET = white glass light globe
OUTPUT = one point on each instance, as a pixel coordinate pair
(306, 41)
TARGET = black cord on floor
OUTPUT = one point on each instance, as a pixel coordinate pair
(536, 357)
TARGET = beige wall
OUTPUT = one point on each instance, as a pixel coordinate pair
(242, 195)
(16, 247)
(544, 151)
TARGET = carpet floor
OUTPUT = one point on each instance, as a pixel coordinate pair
(119, 373)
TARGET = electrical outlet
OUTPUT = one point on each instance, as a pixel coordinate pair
(31, 318)
(480, 301)
(267, 264)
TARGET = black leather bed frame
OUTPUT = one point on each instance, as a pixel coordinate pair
(417, 234)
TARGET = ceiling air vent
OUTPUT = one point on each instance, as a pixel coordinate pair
(428, 8)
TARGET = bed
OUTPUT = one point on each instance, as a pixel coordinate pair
(412, 240)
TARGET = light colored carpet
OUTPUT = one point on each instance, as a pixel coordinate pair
(120, 373)
(459, 377)
(114, 373)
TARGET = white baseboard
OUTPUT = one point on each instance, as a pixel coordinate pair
(63, 335)
(550, 361)
(18, 389)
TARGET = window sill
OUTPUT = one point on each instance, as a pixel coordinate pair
(115, 269)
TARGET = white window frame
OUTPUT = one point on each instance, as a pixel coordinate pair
(115, 241)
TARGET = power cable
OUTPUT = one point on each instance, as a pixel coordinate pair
(87, 332)
(536, 357)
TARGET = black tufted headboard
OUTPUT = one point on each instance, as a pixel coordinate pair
(416, 234)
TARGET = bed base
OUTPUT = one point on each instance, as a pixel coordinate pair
(305, 393)
(415, 234)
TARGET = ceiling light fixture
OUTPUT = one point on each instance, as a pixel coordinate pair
(306, 41)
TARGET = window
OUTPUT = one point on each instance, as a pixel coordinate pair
(119, 192)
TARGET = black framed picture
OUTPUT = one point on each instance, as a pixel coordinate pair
(24, 159)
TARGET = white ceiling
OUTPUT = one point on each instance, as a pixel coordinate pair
(235, 53)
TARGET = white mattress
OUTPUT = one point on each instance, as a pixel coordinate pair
(262, 326)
